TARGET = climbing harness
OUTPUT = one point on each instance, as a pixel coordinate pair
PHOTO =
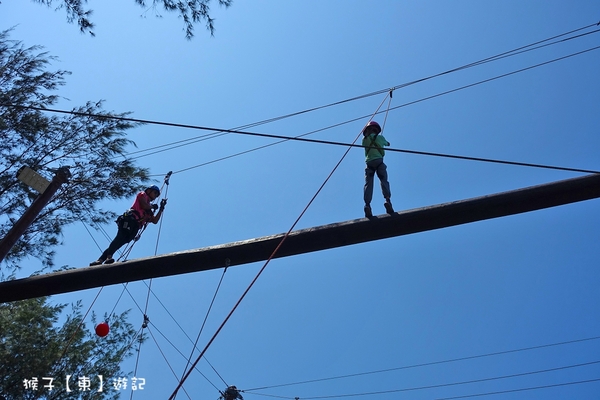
(373, 145)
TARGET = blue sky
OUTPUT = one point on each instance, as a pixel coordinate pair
(492, 286)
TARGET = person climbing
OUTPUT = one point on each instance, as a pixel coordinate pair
(373, 143)
(139, 215)
(232, 393)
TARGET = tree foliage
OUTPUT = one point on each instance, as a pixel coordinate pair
(33, 346)
(191, 11)
(91, 142)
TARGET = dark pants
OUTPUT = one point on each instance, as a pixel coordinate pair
(128, 228)
(376, 167)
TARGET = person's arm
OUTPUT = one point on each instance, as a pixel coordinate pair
(156, 217)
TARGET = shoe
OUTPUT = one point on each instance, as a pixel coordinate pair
(368, 212)
(109, 260)
(388, 206)
(97, 262)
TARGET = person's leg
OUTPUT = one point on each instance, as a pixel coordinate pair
(368, 190)
(383, 179)
(385, 187)
(122, 238)
(117, 242)
(127, 230)
(368, 194)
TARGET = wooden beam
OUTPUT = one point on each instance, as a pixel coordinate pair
(308, 240)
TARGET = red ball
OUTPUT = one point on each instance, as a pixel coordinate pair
(102, 329)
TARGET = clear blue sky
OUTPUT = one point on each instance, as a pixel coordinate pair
(492, 286)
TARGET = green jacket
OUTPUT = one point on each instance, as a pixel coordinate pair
(373, 145)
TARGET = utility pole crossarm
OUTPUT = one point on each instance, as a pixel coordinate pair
(309, 240)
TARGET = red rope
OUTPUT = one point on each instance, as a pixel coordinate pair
(172, 397)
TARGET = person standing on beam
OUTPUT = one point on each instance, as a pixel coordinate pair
(373, 143)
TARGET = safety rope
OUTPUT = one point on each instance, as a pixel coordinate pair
(119, 299)
(146, 319)
(100, 248)
(121, 355)
(166, 182)
(172, 397)
(189, 360)
(124, 255)
(166, 360)
(387, 110)
(90, 233)
(129, 247)
(70, 341)
(183, 355)
(184, 332)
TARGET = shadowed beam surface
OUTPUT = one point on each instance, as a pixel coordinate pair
(308, 240)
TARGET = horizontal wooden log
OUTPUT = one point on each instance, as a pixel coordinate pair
(308, 240)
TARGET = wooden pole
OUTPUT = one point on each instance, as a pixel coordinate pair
(308, 240)
(13, 235)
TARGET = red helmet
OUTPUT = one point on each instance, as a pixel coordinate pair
(374, 125)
